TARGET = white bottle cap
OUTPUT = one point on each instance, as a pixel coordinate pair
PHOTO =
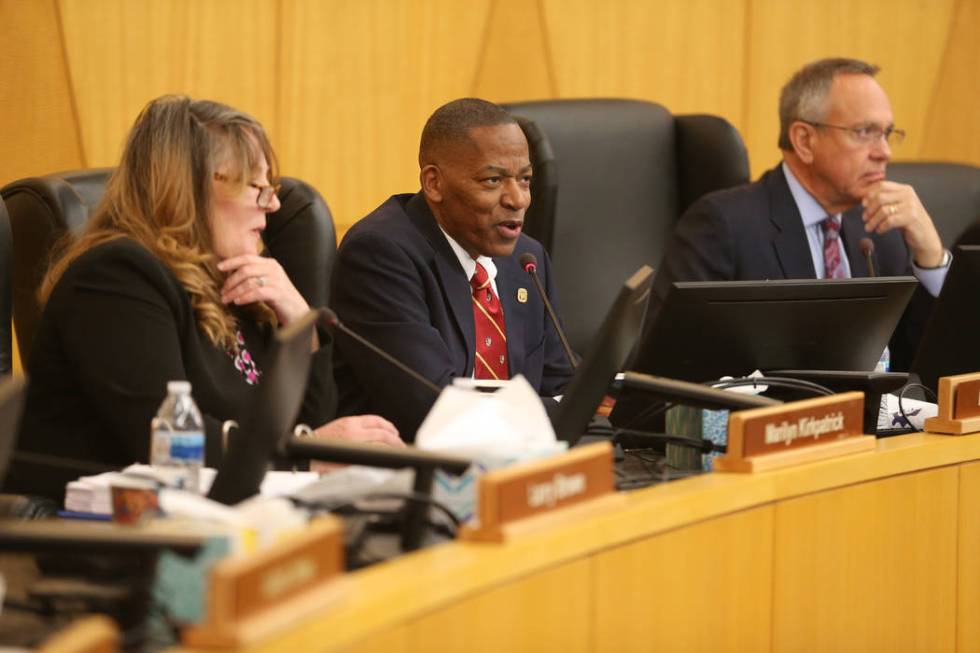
(179, 387)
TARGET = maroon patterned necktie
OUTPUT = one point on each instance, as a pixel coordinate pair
(491, 339)
(833, 265)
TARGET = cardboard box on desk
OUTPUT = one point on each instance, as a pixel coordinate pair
(494, 429)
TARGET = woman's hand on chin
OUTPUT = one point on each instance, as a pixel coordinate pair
(254, 278)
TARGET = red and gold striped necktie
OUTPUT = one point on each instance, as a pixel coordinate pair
(491, 334)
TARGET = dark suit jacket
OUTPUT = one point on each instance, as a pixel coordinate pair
(398, 283)
(116, 328)
(755, 232)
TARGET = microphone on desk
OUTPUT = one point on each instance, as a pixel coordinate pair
(529, 262)
(329, 320)
(868, 249)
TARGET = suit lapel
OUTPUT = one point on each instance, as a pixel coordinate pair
(852, 231)
(455, 286)
(510, 277)
(789, 240)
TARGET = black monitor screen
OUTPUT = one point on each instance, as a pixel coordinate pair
(708, 329)
(616, 339)
(949, 345)
(271, 414)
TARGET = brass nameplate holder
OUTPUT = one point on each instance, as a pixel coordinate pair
(798, 432)
(252, 596)
(959, 405)
(514, 494)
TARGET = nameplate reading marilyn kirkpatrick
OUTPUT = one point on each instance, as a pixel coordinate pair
(795, 432)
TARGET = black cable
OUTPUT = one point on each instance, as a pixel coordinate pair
(901, 395)
(705, 446)
(650, 411)
(774, 381)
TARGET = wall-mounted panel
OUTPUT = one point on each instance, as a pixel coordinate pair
(905, 37)
(952, 131)
(124, 53)
(38, 130)
(359, 80)
(685, 54)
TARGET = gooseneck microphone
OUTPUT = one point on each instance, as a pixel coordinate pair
(529, 262)
(329, 320)
(868, 249)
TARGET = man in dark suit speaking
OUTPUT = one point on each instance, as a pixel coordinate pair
(433, 278)
(806, 218)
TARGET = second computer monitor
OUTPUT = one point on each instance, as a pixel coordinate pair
(705, 330)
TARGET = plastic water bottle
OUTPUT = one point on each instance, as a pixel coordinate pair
(885, 362)
(177, 438)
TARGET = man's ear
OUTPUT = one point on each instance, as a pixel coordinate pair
(801, 136)
(431, 179)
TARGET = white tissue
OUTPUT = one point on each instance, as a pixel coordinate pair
(510, 421)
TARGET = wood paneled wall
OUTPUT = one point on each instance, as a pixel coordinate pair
(344, 86)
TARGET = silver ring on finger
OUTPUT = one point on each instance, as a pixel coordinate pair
(259, 281)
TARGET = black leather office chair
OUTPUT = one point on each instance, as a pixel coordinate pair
(6, 265)
(300, 235)
(611, 178)
(951, 194)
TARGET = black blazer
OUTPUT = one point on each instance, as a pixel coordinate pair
(116, 328)
(755, 232)
(398, 283)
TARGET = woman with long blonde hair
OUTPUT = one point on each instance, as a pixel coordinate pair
(167, 283)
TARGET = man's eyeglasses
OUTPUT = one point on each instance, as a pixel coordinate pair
(266, 193)
(867, 134)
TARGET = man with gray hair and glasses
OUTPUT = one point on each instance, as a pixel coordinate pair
(806, 217)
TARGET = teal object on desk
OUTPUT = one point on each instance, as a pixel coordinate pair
(697, 424)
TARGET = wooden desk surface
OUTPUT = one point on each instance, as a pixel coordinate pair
(818, 555)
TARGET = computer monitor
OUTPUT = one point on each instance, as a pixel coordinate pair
(265, 432)
(706, 330)
(616, 339)
(271, 414)
(949, 344)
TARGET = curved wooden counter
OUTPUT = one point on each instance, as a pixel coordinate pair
(875, 551)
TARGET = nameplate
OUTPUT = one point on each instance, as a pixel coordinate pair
(958, 406)
(537, 487)
(794, 433)
(247, 587)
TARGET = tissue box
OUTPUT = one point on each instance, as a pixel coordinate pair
(461, 493)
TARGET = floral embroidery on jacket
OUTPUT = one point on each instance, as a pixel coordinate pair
(243, 361)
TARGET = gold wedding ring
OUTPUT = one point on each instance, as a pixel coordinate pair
(892, 209)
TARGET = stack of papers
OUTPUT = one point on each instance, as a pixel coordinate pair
(92, 494)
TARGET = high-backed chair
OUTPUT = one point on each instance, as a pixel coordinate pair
(6, 265)
(611, 178)
(300, 235)
(950, 192)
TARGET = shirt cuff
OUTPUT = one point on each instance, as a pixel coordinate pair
(932, 279)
